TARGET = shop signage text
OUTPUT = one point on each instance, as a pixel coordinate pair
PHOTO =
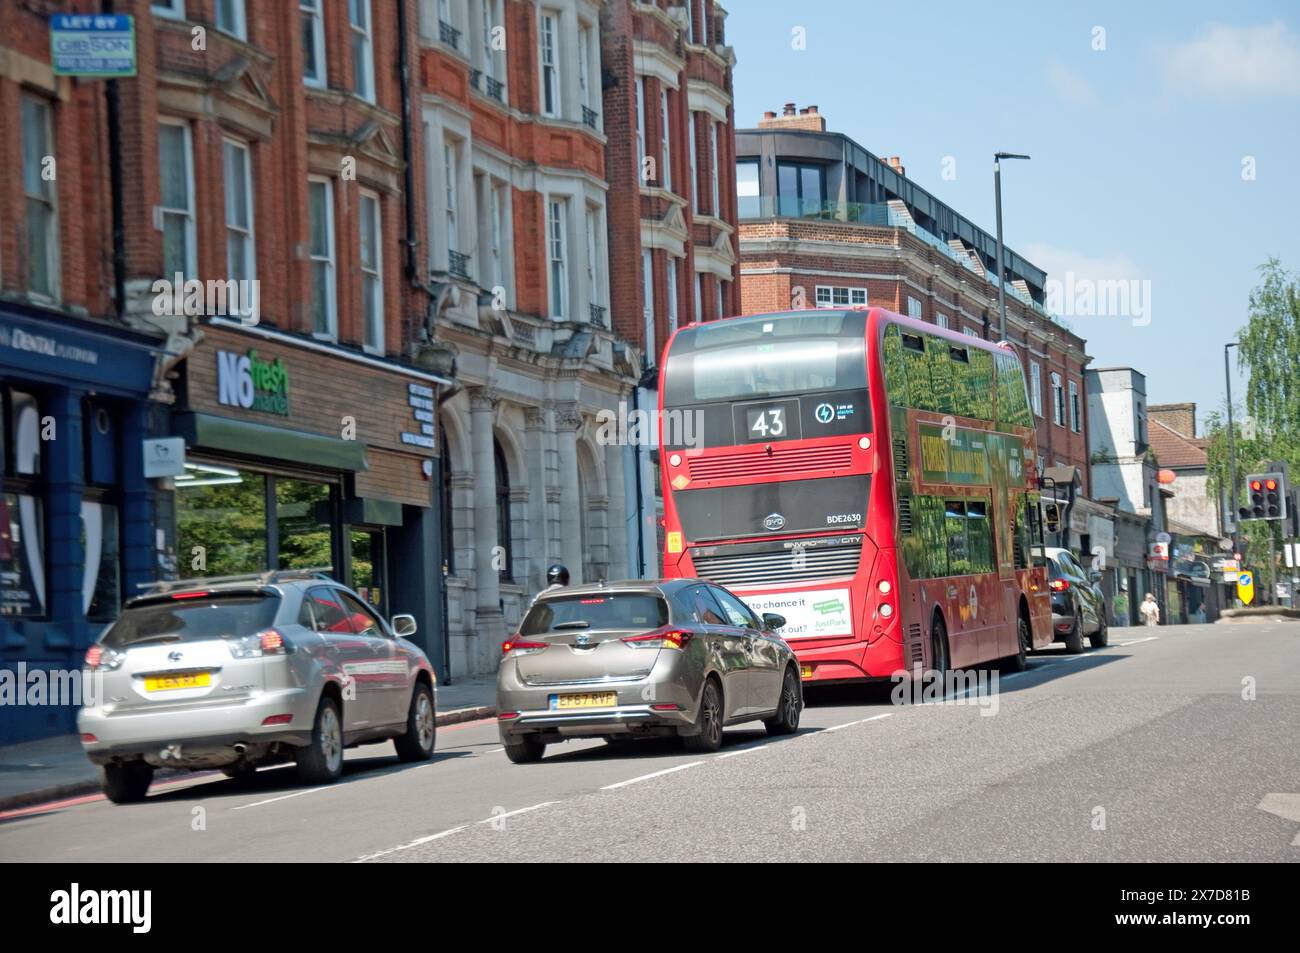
(250, 383)
(420, 399)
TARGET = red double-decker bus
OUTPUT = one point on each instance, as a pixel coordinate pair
(869, 477)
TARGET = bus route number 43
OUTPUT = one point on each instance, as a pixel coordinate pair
(768, 423)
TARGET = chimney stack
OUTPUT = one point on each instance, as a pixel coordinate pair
(806, 119)
(896, 164)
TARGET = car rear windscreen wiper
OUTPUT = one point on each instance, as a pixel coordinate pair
(578, 624)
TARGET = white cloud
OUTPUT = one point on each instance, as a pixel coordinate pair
(1058, 261)
(1070, 86)
(1227, 62)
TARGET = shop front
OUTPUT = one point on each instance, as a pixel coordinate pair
(1133, 578)
(77, 515)
(303, 455)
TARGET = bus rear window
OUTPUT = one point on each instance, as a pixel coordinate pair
(766, 356)
(759, 370)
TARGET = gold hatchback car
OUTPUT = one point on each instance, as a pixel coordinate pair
(680, 657)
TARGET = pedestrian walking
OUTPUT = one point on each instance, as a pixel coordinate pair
(1150, 610)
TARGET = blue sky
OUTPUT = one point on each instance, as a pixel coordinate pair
(1138, 149)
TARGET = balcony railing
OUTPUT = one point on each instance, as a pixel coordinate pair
(476, 78)
(458, 263)
(590, 117)
(449, 34)
(496, 89)
(872, 213)
(598, 316)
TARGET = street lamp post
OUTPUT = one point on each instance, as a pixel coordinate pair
(997, 198)
(1232, 450)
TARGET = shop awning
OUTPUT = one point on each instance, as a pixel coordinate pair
(212, 432)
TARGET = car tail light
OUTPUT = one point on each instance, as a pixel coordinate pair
(660, 639)
(507, 715)
(1059, 585)
(278, 719)
(98, 657)
(88, 739)
(523, 646)
(190, 595)
(665, 707)
(264, 643)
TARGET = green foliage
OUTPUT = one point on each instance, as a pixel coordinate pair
(1269, 351)
(1269, 348)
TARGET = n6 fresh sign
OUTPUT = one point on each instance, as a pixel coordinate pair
(250, 383)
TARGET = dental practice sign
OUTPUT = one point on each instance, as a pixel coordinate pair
(92, 44)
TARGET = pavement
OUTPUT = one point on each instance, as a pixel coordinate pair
(1173, 744)
(56, 767)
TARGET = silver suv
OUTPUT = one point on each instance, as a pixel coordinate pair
(240, 672)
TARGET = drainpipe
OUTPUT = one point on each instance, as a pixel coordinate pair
(404, 70)
(115, 189)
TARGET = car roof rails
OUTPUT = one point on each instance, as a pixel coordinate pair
(267, 577)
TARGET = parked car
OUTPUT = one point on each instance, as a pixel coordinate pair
(1078, 604)
(247, 671)
(679, 657)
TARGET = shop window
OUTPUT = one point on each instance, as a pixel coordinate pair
(504, 547)
(22, 509)
(303, 525)
(102, 547)
(221, 524)
(369, 577)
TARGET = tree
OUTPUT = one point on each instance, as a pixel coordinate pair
(1269, 349)
(1269, 352)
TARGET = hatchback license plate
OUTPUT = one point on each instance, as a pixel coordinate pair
(584, 700)
(170, 683)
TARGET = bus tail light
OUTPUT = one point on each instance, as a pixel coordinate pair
(886, 610)
(659, 639)
(1058, 585)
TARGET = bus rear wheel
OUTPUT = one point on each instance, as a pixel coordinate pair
(939, 658)
(1024, 644)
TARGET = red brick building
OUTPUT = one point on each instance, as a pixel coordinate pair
(262, 162)
(669, 117)
(825, 223)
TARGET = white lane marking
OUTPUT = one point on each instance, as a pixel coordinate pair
(850, 724)
(1149, 638)
(494, 750)
(447, 833)
(414, 843)
(653, 774)
(745, 750)
(282, 797)
(522, 810)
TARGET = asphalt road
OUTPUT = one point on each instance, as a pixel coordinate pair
(1181, 747)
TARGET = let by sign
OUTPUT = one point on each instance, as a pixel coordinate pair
(92, 44)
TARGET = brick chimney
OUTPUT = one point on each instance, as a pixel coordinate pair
(806, 119)
(896, 164)
(1180, 418)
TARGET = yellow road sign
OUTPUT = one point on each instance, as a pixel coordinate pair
(1246, 587)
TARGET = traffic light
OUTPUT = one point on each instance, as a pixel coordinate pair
(1266, 495)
